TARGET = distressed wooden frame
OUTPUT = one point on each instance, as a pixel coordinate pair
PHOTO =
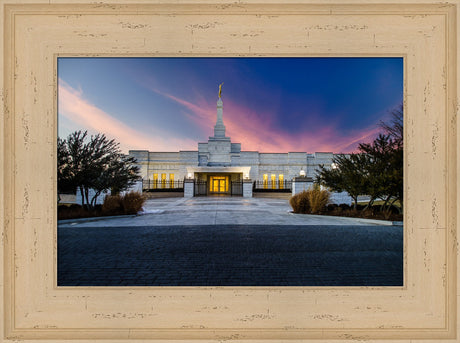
(35, 34)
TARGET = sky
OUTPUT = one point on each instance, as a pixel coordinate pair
(270, 104)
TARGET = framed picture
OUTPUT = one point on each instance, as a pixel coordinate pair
(218, 213)
(36, 34)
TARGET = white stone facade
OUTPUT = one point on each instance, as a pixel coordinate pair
(219, 156)
(178, 163)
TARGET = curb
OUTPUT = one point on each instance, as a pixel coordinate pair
(371, 221)
(93, 219)
(378, 221)
(361, 220)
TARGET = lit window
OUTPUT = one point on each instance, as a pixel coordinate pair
(265, 180)
(163, 180)
(171, 180)
(281, 180)
(155, 181)
(273, 179)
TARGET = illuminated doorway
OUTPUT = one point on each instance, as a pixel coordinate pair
(218, 184)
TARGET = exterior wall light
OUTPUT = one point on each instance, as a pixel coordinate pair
(246, 176)
(189, 175)
(302, 172)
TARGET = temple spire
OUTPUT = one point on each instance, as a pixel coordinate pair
(219, 128)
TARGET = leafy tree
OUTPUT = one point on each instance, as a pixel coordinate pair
(378, 167)
(97, 164)
(377, 170)
(347, 175)
(71, 157)
(117, 175)
(386, 174)
(395, 185)
(65, 184)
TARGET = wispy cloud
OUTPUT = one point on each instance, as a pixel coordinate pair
(76, 108)
(203, 116)
(257, 131)
(350, 143)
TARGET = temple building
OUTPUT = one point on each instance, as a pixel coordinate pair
(218, 164)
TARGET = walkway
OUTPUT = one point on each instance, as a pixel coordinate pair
(219, 211)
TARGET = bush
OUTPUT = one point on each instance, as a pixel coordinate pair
(332, 207)
(132, 202)
(360, 207)
(317, 199)
(112, 205)
(73, 211)
(313, 201)
(344, 206)
(299, 203)
(337, 211)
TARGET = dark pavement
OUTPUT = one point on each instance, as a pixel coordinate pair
(231, 255)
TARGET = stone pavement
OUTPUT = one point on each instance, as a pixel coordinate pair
(228, 242)
(220, 211)
(230, 255)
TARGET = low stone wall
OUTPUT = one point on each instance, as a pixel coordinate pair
(340, 198)
(137, 187)
(302, 184)
(273, 195)
(91, 193)
(154, 195)
(68, 198)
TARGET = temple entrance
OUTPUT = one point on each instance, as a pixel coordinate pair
(218, 184)
(225, 181)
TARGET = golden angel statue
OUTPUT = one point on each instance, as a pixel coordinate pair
(220, 89)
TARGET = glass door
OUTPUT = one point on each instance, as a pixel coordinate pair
(218, 184)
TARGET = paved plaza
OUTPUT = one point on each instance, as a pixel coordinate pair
(224, 241)
(218, 210)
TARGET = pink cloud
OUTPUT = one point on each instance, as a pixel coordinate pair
(253, 129)
(203, 116)
(240, 128)
(256, 130)
(74, 107)
(350, 143)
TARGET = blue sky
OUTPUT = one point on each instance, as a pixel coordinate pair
(270, 104)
